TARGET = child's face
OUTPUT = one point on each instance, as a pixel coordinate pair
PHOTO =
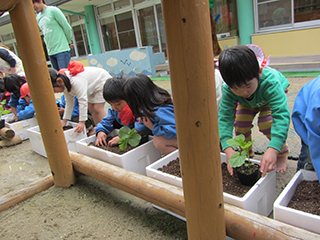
(118, 105)
(246, 90)
(60, 87)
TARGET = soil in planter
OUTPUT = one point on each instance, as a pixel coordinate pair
(231, 184)
(66, 128)
(307, 197)
(116, 149)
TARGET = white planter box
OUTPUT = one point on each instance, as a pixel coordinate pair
(292, 216)
(21, 127)
(134, 160)
(70, 136)
(259, 199)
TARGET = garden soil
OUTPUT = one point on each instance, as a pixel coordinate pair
(90, 209)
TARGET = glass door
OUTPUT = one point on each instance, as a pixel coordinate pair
(126, 33)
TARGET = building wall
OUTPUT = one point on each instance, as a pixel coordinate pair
(289, 43)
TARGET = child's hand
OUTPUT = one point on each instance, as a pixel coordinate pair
(268, 161)
(80, 127)
(147, 122)
(64, 122)
(61, 111)
(101, 139)
(229, 152)
(114, 141)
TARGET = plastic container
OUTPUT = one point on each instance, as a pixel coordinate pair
(70, 136)
(292, 216)
(259, 199)
(21, 127)
(134, 160)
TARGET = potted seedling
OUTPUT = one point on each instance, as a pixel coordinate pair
(3, 111)
(248, 172)
(134, 159)
(128, 136)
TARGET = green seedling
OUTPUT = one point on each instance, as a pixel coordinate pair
(128, 136)
(2, 110)
(239, 158)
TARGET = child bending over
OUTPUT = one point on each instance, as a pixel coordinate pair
(28, 111)
(252, 89)
(154, 106)
(87, 84)
(12, 84)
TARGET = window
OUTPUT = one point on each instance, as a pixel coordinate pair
(306, 10)
(104, 9)
(148, 29)
(225, 14)
(274, 13)
(109, 34)
(121, 4)
(161, 29)
(81, 41)
(126, 32)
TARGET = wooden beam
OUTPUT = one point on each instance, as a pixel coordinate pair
(190, 54)
(31, 52)
(240, 224)
(10, 199)
(6, 5)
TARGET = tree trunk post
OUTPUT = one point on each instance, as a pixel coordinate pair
(190, 55)
(31, 52)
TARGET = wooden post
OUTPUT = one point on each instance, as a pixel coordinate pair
(240, 224)
(31, 52)
(190, 55)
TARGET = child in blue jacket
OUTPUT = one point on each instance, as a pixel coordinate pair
(154, 107)
(28, 111)
(305, 118)
(12, 84)
(119, 114)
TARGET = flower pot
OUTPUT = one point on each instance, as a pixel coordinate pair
(70, 136)
(248, 175)
(20, 128)
(259, 199)
(292, 216)
(134, 160)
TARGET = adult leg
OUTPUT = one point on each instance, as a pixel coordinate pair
(243, 123)
(97, 112)
(63, 59)
(54, 62)
(165, 145)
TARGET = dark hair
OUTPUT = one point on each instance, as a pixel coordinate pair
(238, 65)
(143, 96)
(2, 89)
(112, 89)
(54, 74)
(13, 82)
(38, 1)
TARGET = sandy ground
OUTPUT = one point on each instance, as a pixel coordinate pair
(88, 210)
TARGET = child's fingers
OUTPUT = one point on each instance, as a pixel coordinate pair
(230, 169)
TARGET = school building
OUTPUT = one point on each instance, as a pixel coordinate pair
(280, 27)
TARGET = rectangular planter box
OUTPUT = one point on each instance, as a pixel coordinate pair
(292, 216)
(134, 160)
(21, 127)
(259, 199)
(70, 136)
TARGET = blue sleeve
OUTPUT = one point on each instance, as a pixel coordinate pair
(164, 122)
(140, 127)
(63, 101)
(75, 112)
(5, 55)
(21, 104)
(27, 113)
(14, 99)
(106, 125)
